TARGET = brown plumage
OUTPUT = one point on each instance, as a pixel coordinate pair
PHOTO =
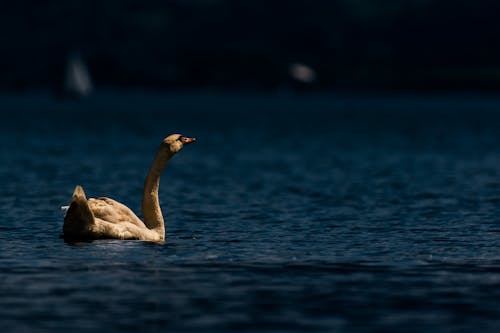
(106, 218)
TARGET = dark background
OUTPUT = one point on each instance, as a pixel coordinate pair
(249, 45)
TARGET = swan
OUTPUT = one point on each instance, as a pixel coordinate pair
(106, 218)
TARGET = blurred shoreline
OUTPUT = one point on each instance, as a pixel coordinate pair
(214, 101)
(416, 45)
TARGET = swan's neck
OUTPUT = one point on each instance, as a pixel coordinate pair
(151, 211)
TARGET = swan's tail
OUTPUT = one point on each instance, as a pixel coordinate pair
(78, 217)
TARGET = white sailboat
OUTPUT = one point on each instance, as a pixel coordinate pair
(77, 81)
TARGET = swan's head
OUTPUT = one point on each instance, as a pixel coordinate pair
(176, 142)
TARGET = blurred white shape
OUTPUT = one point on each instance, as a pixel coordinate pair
(77, 81)
(302, 72)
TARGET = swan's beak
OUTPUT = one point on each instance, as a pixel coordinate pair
(188, 140)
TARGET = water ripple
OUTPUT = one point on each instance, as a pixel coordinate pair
(354, 225)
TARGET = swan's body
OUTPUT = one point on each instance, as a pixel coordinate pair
(107, 218)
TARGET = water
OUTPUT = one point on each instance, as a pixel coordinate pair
(289, 214)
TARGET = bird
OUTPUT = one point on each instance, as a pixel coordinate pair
(105, 218)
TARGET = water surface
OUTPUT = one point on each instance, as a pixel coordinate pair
(290, 213)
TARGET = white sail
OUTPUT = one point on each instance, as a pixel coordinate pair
(77, 80)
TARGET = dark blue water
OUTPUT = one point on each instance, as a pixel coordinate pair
(289, 214)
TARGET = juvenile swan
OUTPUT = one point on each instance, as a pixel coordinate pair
(107, 218)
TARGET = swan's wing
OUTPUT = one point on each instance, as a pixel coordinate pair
(112, 211)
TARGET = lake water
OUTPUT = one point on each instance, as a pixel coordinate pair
(305, 213)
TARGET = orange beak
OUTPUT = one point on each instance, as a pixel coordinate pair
(186, 140)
